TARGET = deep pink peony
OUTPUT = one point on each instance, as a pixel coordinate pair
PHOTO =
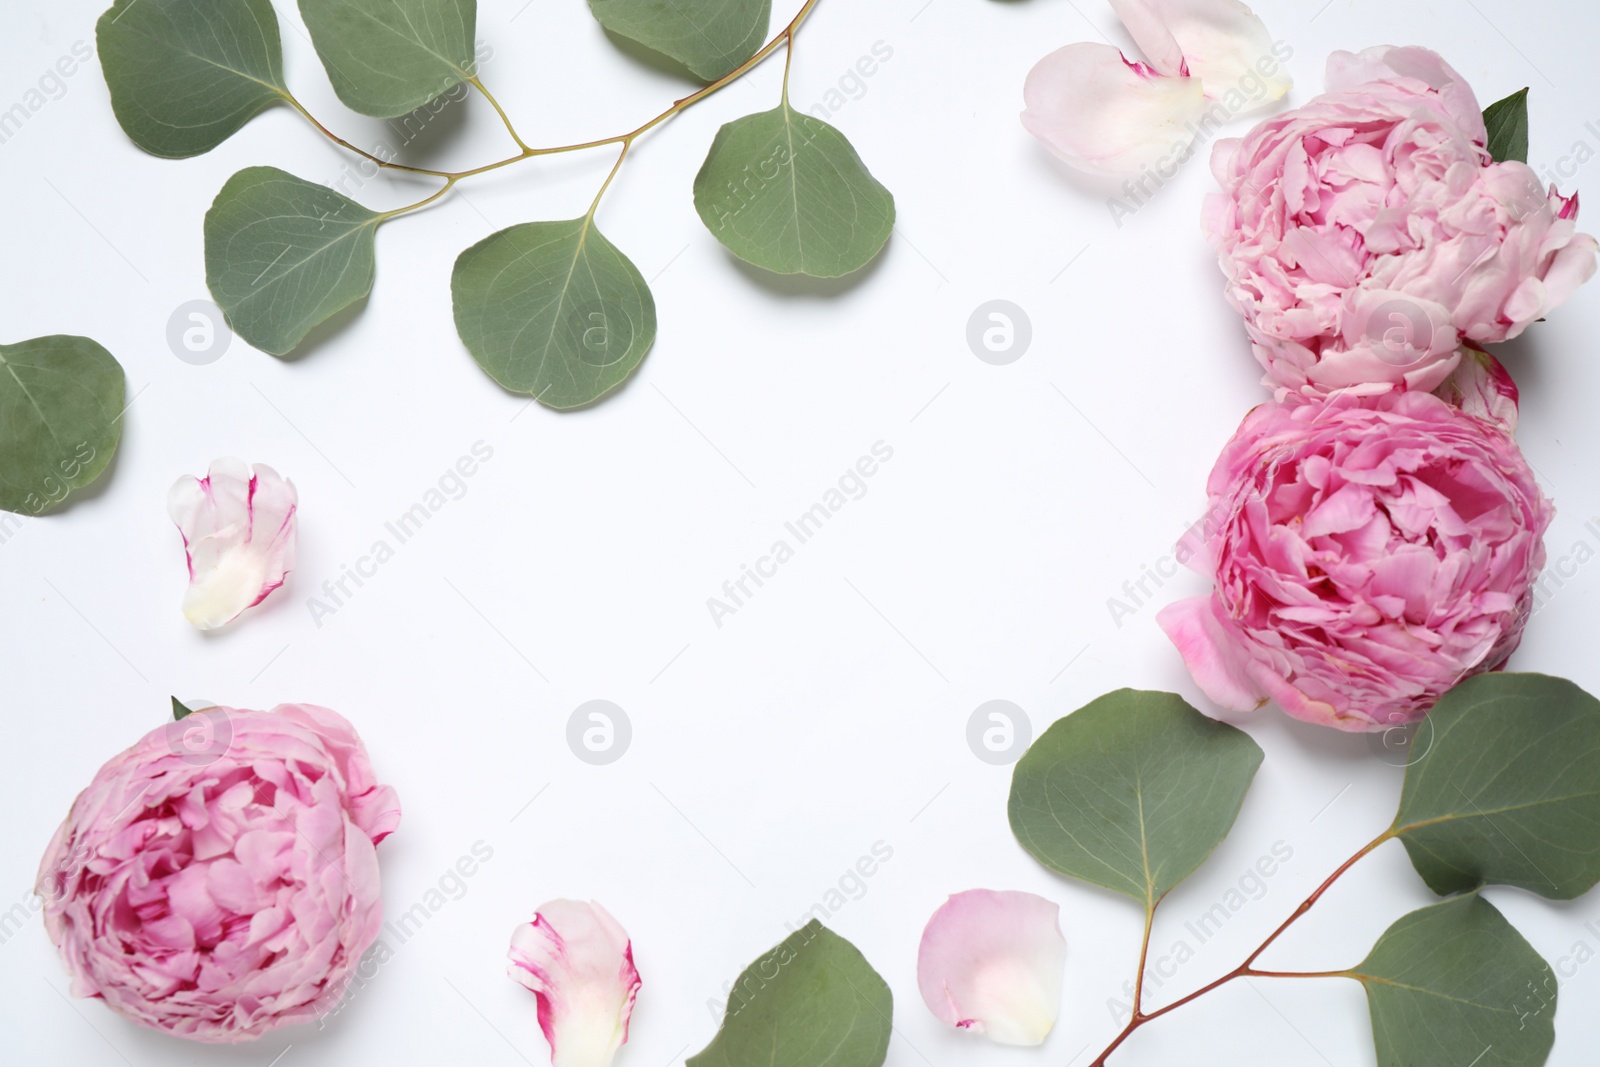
(218, 879)
(1367, 234)
(1368, 555)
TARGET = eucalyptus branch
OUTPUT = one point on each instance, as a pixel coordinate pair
(784, 38)
(1246, 969)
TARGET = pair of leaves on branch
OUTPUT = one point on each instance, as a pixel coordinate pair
(550, 309)
(1135, 790)
(812, 999)
(61, 402)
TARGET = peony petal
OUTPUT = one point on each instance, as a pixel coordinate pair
(1351, 70)
(1221, 42)
(992, 962)
(1219, 665)
(579, 963)
(238, 527)
(1480, 386)
(1103, 115)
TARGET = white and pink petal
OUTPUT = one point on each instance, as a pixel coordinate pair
(1221, 42)
(992, 962)
(578, 961)
(238, 525)
(1104, 115)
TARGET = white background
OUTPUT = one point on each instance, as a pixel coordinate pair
(830, 712)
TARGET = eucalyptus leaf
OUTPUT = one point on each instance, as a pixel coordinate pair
(185, 75)
(389, 57)
(283, 254)
(1132, 792)
(1508, 789)
(61, 401)
(554, 310)
(787, 192)
(1456, 984)
(710, 37)
(812, 1000)
(1507, 122)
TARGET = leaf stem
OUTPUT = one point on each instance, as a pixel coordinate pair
(1245, 969)
(783, 37)
(293, 102)
(477, 84)
(626, 145)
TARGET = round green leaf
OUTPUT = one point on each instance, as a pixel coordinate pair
(710, 37)
(389, 57)
(812, 1000)
(60, 419)
(1507, 789)
(787, 192)
(554, 310)
(283, 254)
(1456, 984)
(184, 75)
(1131, 792)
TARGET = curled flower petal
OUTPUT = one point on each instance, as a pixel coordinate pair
(992, 962)
(1480, 386)
(1104, 115)
(238, 526)
(1221, 42)
(579, 963)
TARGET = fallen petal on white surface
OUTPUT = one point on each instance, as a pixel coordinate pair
(238, 527)
(992, 962)
(578, 962)
(1102, 114)
(1221, 42)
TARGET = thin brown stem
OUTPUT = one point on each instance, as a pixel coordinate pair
(1245, 969)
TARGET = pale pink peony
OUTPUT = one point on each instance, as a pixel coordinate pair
(1366, 235)
(218, 879)
(1368, 555)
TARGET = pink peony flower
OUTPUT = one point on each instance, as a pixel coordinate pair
(578, 961)
(238, 527)
(1366, 235)
(1368, 555)
(218, 879)
(992, 962)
